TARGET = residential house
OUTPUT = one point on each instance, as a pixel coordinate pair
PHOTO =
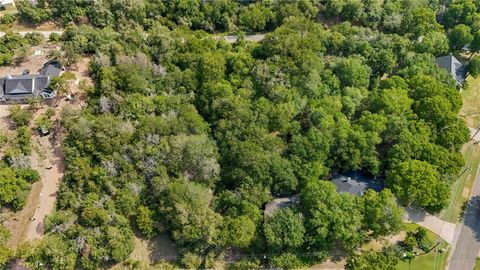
(453, 67)
(355, 183)
(24, 87)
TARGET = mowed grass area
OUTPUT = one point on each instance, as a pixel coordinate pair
(470, 110)
(477, 264)
(432, 260)
(460, 190)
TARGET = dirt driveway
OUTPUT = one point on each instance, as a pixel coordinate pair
(46, 157)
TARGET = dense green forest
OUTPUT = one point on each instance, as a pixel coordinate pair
(189, 135)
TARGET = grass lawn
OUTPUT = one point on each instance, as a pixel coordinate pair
(477, 264)
(470, 110)
(460, 190)
(432, 260)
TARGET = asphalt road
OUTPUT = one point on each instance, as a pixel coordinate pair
(229, 39)
(252, 38)
(467, 245)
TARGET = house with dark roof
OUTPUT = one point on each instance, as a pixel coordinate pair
(355, 183)
(24, 87)
(453, 67)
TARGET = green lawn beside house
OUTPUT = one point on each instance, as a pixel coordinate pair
(460, 191)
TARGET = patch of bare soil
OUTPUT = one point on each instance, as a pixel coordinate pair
(46, 26)
(329, 265)
(151, 251)
(46, 157)
(33, 63)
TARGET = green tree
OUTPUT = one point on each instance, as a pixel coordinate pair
(12, 188)
(186, 208)
(474, 66)
(144, 221)
(238, 231)
(371, 260)
(381, 213)
(284, 230)
(6, 253)
(460, 12)
(63, 83)
(459, 36)
(435, 43)
(352, 72)
(287, 260)
(20, 116)
(418, 182)
(54, 252)
(331, 217)
(32, 13)
(255, 17)
(420, 21)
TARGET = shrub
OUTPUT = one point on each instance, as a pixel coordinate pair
(7, 19)
(20, 116)
(54, 37)
(30, 175)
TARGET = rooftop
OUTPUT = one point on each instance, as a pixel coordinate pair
(355, 183)
(453, 66)
(21, 87)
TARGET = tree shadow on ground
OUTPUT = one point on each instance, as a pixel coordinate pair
(472, 216)
(415, 214)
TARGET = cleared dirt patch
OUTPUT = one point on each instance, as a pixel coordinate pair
(46, 156)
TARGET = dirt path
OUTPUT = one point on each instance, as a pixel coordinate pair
(47, 158)
(28, 224)
(48, 161)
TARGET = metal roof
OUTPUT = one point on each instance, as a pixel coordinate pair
(25, 86)
(19, 85)
(355, 183)
(453, 66)
(51, 68)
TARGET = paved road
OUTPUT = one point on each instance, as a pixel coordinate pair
(46, 34)
(467, 246)
(252, 38)
(229, 39)
(446, 230)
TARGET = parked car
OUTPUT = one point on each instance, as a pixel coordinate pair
(43, 130)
